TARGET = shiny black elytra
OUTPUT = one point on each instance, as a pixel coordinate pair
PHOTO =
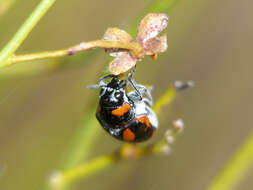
(125, 116)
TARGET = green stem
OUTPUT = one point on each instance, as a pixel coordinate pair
(66, 177)
(89, 168)
(134, 47)
(166, 99)
(23, 32)
(234, 171)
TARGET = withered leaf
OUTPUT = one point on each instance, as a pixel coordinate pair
(156, 45)
(151, 25)
(116, 34)
(122, 63)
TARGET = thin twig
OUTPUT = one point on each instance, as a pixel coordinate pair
(134, 47)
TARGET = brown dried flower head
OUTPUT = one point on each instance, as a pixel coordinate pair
(146, 42)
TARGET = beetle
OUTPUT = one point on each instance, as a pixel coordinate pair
(126, 116)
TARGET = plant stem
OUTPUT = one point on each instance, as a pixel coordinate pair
(235, 169)
(135, 47)
(23, 32)
(86, 169)
(165, 99)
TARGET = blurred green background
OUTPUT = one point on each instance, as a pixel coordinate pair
(43, 103)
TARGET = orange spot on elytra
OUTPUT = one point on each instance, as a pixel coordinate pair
(144, 120)
(128, 135)
(121, 110)
(98, 108)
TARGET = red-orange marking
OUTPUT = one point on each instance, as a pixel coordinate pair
(128, 135)
(121, 110)
(144, 120)
(98, 108)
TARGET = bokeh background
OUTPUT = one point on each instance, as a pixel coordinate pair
(44, 103)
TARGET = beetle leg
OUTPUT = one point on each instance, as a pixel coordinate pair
(133, 83)
(135, 88)
(133, 96)
(147, 92)
(130, 76)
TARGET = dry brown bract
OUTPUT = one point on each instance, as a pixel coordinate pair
(146, 42)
